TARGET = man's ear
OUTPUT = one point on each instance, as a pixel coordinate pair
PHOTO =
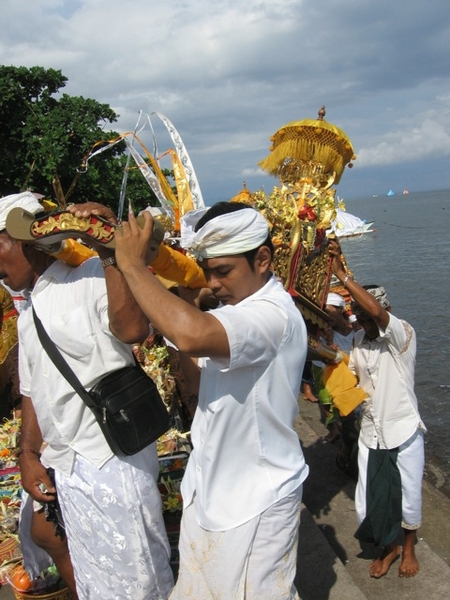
(263, 259)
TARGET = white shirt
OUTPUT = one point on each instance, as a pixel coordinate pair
(247, 455)
(73, 307)
(19, 298)
(344, 342)
(385, 369)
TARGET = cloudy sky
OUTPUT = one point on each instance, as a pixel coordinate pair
(229, 74)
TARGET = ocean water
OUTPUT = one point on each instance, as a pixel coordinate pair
(409, 254)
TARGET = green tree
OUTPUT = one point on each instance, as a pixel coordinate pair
(44, 136)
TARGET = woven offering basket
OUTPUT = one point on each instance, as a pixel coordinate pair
(62, 594)
(9, 550)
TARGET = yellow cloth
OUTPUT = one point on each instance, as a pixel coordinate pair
(179, 268)
(73, 253)
(341, 384)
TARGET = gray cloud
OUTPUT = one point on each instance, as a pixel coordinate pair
(229, 75)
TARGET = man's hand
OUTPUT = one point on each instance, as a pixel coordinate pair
(35, 480)
(337, 266)
(133, 243)
(93, 208)
(88, 209)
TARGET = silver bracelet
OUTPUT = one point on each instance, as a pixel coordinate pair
(108, 262)
(346, 278)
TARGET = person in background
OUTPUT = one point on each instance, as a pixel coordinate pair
(307, 386)
(388, 498)
(111, 505)
(337, 335)
(244, 477)
(343, 334)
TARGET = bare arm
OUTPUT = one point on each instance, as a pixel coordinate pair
(126, 320)
(365, 300)
(33, 473)
(191, 330)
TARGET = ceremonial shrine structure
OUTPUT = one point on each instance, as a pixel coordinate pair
(308, 157)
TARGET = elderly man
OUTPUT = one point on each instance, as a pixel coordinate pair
(110, 504)
(391, 443)
(243, 485)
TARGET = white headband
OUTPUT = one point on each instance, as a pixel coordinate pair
(25, 200)
(334, 299)
(231, 233)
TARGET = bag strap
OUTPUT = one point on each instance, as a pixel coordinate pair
(59, 361)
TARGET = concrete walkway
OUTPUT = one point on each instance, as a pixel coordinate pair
(331, 563)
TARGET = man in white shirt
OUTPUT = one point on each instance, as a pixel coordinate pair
(243, 485)
(391, 443)
(111, 505)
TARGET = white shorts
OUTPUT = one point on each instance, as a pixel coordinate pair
(411, 463)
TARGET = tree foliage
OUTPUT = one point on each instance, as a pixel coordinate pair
(44, 135)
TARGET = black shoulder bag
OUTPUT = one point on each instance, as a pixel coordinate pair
(126, 403)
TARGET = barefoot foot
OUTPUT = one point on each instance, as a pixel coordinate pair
(381, 565)
(307, 393)
(409, 565)
(309, 398)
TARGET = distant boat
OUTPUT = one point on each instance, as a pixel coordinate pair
(348, 225)
(405, 191)
(390, 193)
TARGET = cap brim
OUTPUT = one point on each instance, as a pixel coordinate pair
(18, 224)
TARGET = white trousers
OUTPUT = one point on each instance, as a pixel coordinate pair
(411, 463)
(256, 561)
(115, 530)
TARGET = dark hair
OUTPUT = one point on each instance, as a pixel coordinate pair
(224, 208)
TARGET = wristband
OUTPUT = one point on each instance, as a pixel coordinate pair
(108, 262)
(346, 278)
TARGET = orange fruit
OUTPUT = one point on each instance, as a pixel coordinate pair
(20, 580)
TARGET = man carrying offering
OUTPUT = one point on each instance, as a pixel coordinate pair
(243, 484)
(391, 457)
(110, 504)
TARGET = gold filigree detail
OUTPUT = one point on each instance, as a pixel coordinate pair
(165, 221)
(311, 275)
(66, 221)
(297, 212)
